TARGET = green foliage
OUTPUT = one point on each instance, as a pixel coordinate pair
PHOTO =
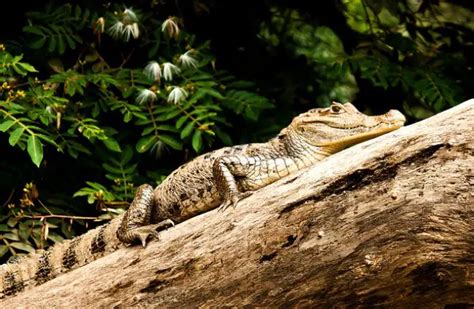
(26, 226)
(57, 28)
(403, 37)
(407, 48)
(324, 52)
(92, 111)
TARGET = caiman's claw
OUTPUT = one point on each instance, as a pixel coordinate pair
(234, 200)
(143, 233)
(163, 225)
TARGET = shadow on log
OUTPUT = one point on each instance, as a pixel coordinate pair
(389, 222)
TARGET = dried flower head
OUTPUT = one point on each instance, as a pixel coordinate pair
(170, 26)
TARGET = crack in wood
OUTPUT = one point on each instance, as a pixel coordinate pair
(363, 177)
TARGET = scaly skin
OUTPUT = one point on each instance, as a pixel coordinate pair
(222, 177)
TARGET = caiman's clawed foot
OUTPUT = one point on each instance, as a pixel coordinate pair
(234, 200)
(143, 233)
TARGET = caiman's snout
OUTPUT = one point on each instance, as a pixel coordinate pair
(394, 117)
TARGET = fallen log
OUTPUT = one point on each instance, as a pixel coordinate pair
(389, 222)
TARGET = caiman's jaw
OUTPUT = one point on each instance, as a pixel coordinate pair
(342, 125)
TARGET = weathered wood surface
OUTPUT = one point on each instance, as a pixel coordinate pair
(388, 222)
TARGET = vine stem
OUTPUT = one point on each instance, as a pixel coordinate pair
(17, 121)
(153, 120)
(188, 114)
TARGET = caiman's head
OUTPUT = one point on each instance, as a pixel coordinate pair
(342, 125)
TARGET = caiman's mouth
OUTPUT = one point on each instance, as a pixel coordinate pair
(362, 133)
(389, 125)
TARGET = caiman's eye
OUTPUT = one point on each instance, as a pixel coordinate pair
(336, 109)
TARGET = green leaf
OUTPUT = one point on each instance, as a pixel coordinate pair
(224, 137)
(35, 149)
(47, 139)
(4, 126)
(197, 141)
(11, 236)
(188, 129)
(145, 143)
(4, 228)
(24, 231)
(33, 29)
(166, 127)
(168, 115)
(27, 67)
(15, 136)
(171, 141)
(22, 246)
(18, 69)
(181, 121)
(61, 44)
(3, 250)
(127, 116)
(70, 42)
(52, 44)
(112, 169)
(214, 93)
(12, 221)
(148, 130)
(38, 43)
(112, 144)
(127, 155)
(55, 237)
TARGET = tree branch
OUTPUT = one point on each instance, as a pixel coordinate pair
(385, 223)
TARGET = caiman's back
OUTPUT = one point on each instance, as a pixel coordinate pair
(191, 189)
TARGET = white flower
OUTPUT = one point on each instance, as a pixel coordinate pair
(169, 69)
(131, 30)
(116, 31)
(146, 95)
(153, 71)
(177, 95)
(187, 61)
(171, 27)
(126, 26)
(129, 16)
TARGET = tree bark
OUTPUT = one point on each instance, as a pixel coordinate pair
(389, 222)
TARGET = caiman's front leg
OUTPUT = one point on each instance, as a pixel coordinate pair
(136, 223)
(224, 170)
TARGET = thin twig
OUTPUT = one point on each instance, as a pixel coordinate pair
(125, 60)
(367, 17)
(44, 206)
(9, 198)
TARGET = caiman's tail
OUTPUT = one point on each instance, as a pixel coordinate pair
(41, 266)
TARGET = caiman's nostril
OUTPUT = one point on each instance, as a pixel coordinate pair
(395, 115)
